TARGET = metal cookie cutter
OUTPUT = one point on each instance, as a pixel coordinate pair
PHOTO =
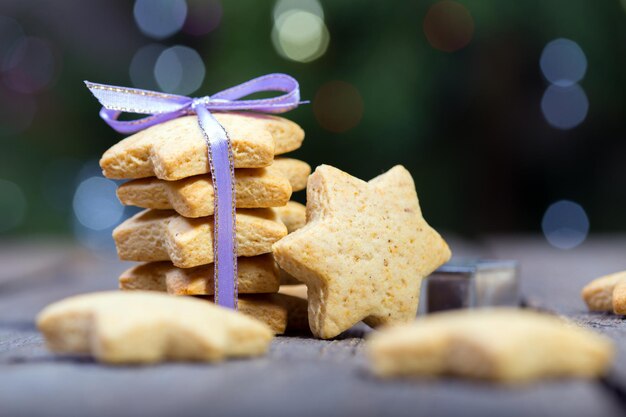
(471, 284)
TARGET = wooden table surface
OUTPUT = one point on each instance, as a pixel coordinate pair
(300, 376)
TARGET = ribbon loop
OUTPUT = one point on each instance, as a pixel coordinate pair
(163, 107)
(266, 83)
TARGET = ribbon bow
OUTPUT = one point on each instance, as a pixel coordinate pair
(161, 107)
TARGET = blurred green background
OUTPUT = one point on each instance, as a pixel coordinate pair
(499, 109)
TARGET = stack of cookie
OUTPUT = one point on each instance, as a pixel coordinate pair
(173, 238)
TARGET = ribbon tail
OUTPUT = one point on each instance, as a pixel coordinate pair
(135, 100)
(115, 100)
(224, 233)
(110, 117)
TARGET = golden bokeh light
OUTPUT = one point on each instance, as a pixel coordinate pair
(448, 26)
(300, 36)
(338, 106)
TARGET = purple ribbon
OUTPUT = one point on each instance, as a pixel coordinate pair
(162, 107)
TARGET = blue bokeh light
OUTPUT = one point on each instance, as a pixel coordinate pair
(564, 107)
(179, 70)
(160, 19)
(565, 224)
(95, 203)
(563, 62)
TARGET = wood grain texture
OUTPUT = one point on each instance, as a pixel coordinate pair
(300, 376)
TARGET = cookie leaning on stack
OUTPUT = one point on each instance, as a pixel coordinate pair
(167, 166)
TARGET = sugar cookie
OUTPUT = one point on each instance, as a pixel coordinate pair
(501, 344)
(194, 196)
(256, 274)
(177, 149)
(363, 252)
(598, 294)
(146, 327)
(161, 235)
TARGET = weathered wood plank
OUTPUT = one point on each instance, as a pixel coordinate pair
(296, 378)
(299, 376)
(31, 261)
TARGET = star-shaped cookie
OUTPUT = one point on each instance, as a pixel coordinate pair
(363, 252)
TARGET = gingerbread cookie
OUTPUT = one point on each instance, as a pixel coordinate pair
(194, 196)
(292, 214)
(295, 170)
(499, 344)
(256, 274)
(283, 312)
(161, 235)
(363, 252)
(295, 299)
(177, 149)
(264, 308)
(146, 327)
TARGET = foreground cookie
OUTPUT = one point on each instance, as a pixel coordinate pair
(194, 196)
(598, 294)
(363, 252)
(176, 149)
(161, 235)
(504, 345)
(256, 274)
(145, 327)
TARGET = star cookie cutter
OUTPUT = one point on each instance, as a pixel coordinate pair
(471, 283)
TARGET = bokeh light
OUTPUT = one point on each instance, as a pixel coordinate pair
(141, 69)
(203, 17)
(96, 205)
(160, 19)
(338, 106)
(565, 224)
(179, 70)
(10, 33)
(563, 62)
(94, 186)
(311, 6)
(30, 65)
(564, 107)
(100, 241)
(448, 26)
(300, 35)
(12, 205)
